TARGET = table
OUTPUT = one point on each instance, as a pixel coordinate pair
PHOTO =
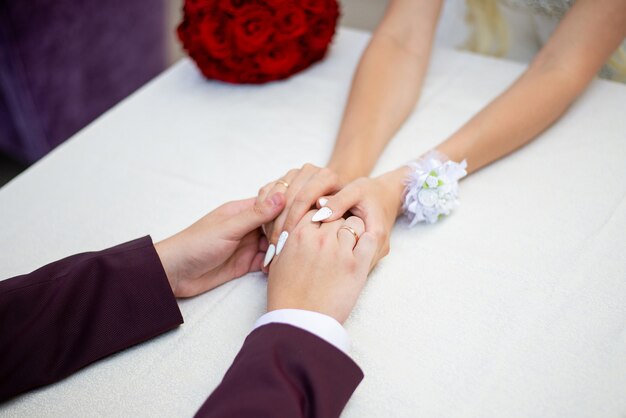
(513, 306)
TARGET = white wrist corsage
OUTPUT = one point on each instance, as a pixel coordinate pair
(432, 189)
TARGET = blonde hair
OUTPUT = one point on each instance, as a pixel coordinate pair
(617, 65)
(489, 36)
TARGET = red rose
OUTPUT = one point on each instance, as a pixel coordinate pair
(290, 23)
(277, 3)
(232, 6)
(189, 33)
(184, 33)
(237, 62)
(253, 25)
(315, 6)
(256, 41)
(279, 59)
(215, 35)
(251, 75)
(206, 65)
(321, 33)
(192, 7)
(226, 74)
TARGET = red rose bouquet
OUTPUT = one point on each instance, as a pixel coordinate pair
(256, 41)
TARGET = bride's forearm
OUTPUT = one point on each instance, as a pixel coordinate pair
(582, 43)
(521, 113)
(386, 85)
(529, 106)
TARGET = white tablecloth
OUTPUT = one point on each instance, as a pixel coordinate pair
(514, 306)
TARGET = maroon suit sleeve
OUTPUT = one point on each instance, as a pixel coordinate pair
(284, 371)
(70, 313)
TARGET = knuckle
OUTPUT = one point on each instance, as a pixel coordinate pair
(381, 235)
(358, 222)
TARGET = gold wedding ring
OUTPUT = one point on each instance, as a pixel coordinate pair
(352, 231)
(283, 182)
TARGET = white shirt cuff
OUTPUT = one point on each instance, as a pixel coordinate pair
(325, 327)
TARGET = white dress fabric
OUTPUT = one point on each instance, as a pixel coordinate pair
(554, 8)
(530, 24)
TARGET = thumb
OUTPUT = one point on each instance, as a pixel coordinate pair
(365, 251)
(336, 206)
(255, 215)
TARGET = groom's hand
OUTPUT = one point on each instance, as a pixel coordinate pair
(225, 244)
(323, 268)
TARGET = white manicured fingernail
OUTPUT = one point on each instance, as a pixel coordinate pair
(320, 215)
(271, 250)
(281, 241)
(322, 201)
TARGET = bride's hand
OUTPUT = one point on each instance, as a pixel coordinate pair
(302, 188)
(377, 201)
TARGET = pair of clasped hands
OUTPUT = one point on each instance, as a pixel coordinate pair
(323, 260)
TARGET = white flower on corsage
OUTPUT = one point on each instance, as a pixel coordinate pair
(432, 189)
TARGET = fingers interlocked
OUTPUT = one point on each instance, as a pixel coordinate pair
(302, 188)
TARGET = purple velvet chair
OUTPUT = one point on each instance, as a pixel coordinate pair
(64, 62)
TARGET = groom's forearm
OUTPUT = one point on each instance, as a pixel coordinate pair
(386, 86)
(284, 371)
(72, 312)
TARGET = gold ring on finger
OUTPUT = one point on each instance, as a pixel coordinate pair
(352, 231)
